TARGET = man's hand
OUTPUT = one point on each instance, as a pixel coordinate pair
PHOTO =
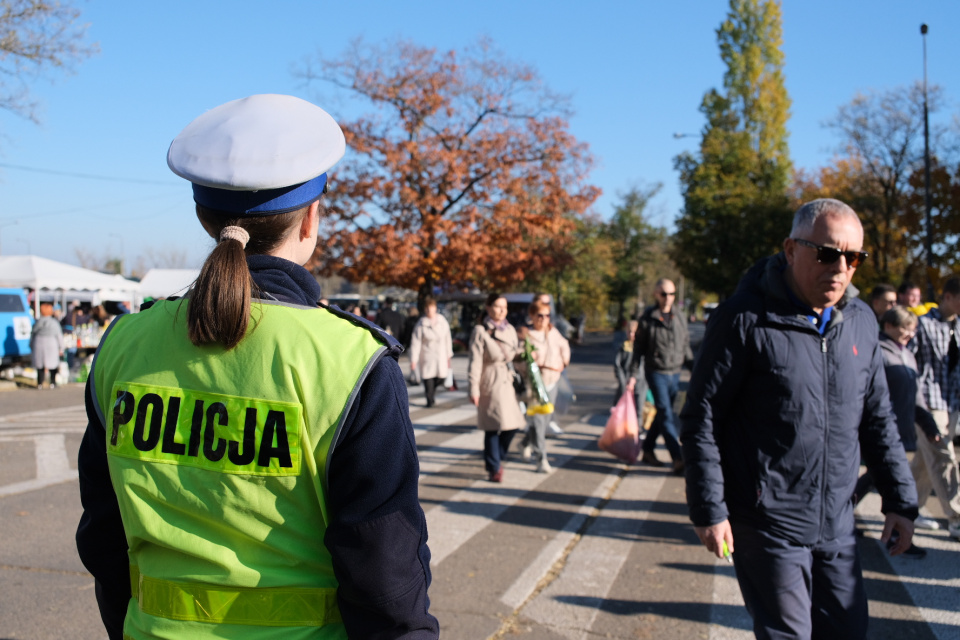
(715, 535)
(631, 383)
(903, 527)
(475, 400)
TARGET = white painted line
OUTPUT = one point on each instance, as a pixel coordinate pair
(937, 594)
(524, 585)
(479, 505)
(51, 457)
(53, 466)
(44, 414)
(36, 483)
(445, 418)
(596, 561)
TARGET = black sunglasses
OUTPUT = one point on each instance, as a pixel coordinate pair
(829, 255)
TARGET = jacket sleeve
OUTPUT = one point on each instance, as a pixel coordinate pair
(881, 448)
(377, 535)
(475, 365)
(714, 384)
(639, 348)
(101, 542)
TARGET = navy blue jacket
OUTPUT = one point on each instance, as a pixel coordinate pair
(377, 534)
(777, 416)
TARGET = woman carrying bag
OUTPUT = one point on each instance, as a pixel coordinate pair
(493, 345)
(551, 353)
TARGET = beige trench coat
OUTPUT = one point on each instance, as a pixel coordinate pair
(431, 347)
(491, 380)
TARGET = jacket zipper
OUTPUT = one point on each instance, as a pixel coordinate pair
(826, 436)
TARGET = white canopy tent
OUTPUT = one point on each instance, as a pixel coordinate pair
(164, 283)
(71, 282)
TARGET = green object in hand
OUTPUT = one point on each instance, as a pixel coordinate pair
(542, 398)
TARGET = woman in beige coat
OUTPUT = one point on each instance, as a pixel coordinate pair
(431, 349)
(493, 345)
(552, 355)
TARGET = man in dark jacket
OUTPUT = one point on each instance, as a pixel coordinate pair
(788, 393)
(663, 344)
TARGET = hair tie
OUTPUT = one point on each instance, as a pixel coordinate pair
(235, 233)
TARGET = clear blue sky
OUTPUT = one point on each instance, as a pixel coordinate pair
(636, 72)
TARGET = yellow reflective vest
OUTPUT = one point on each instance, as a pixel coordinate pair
(218, 459)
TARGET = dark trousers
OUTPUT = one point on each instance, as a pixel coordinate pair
(665, 387)
(794, 591)
(430, 389)
(495, 447)
(41, 375)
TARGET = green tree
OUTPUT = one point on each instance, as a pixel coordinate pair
(578, 284)
(633, 241)
(735, 189)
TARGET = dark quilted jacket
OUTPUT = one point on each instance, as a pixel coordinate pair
(777, 416)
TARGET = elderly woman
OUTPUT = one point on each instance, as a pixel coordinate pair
(431, 349)
(46, 344)
(552, 354)
(493, 346)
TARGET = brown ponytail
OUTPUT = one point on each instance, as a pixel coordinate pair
(219, 309)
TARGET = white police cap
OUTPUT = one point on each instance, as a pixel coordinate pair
(261, 155)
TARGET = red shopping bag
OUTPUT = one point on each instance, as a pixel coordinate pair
(621, 436)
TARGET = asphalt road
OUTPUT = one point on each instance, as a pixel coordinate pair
(595, 549)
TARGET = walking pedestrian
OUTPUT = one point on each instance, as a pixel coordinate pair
(249, 468)
(551, 352)
(662, 345)
(787, 394)
(493, 346)
(899, 326)
(431, 349)
(938, 357)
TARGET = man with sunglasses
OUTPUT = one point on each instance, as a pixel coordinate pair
(662, 343)
(787, 394)
(938, 359)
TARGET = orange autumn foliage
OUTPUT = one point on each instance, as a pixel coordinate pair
(465, 175)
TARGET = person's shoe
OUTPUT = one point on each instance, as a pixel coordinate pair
(544, 467)
(527, 453)
(678, 468)
(496, 476)
(923, 522)
(954, 529)
(53, 386)
(554, 430)
(650, 458)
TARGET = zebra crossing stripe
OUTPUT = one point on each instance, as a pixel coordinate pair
(480, 504)
(53, 467)
(596, 561)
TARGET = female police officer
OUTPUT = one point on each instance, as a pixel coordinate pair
(249, 469)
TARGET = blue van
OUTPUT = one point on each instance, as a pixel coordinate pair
(16, 324)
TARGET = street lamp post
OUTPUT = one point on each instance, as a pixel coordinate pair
(926, 172)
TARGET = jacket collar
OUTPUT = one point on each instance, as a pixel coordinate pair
(767, 279)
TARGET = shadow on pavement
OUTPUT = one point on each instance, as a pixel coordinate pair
(692, 611)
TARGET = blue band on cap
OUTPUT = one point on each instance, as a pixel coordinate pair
(262, 202)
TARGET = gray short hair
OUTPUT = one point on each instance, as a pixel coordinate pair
(898, 316)
(806, 216)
